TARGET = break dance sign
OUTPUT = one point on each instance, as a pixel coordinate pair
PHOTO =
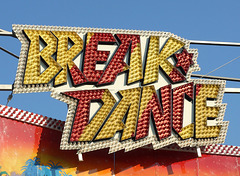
(124, 89)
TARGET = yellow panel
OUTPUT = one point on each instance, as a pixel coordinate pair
(114, 123)
(32, 72)
(131, 121)
(135, 71)
(203, 112)
(187, 131)
(92, 128)
(89, 36)
(154, 58)
(65, 56)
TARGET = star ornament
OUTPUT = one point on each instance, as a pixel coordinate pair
(184, 60)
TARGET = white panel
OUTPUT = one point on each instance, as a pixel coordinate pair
(112, 49)
(187, 113)
(211, 122)
(211, 103)
(94, 107)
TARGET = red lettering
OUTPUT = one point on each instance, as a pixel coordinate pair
(93, 56)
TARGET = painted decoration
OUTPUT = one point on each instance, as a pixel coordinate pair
(29, 149)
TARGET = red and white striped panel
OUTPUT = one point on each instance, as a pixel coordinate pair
(31, 118)
(214, 149)
(222, 150)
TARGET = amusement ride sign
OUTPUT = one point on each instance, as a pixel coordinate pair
(125, 89)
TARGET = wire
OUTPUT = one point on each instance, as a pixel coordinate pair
(9, 98)
(1, 48)
(222, 65)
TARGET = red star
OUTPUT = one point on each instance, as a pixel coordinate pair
(184, 60)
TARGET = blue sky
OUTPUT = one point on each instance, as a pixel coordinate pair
(193, 20)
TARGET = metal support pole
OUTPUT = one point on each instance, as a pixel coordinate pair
(199, 42)
(232, 90)
(215, 77)
(6, 87)
(6, 33)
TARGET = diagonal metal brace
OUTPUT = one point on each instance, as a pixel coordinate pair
(14, 55)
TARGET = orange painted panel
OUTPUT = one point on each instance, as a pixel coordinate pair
(26, 149)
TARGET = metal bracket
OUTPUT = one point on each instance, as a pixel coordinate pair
(199, 153)
(80, 156)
